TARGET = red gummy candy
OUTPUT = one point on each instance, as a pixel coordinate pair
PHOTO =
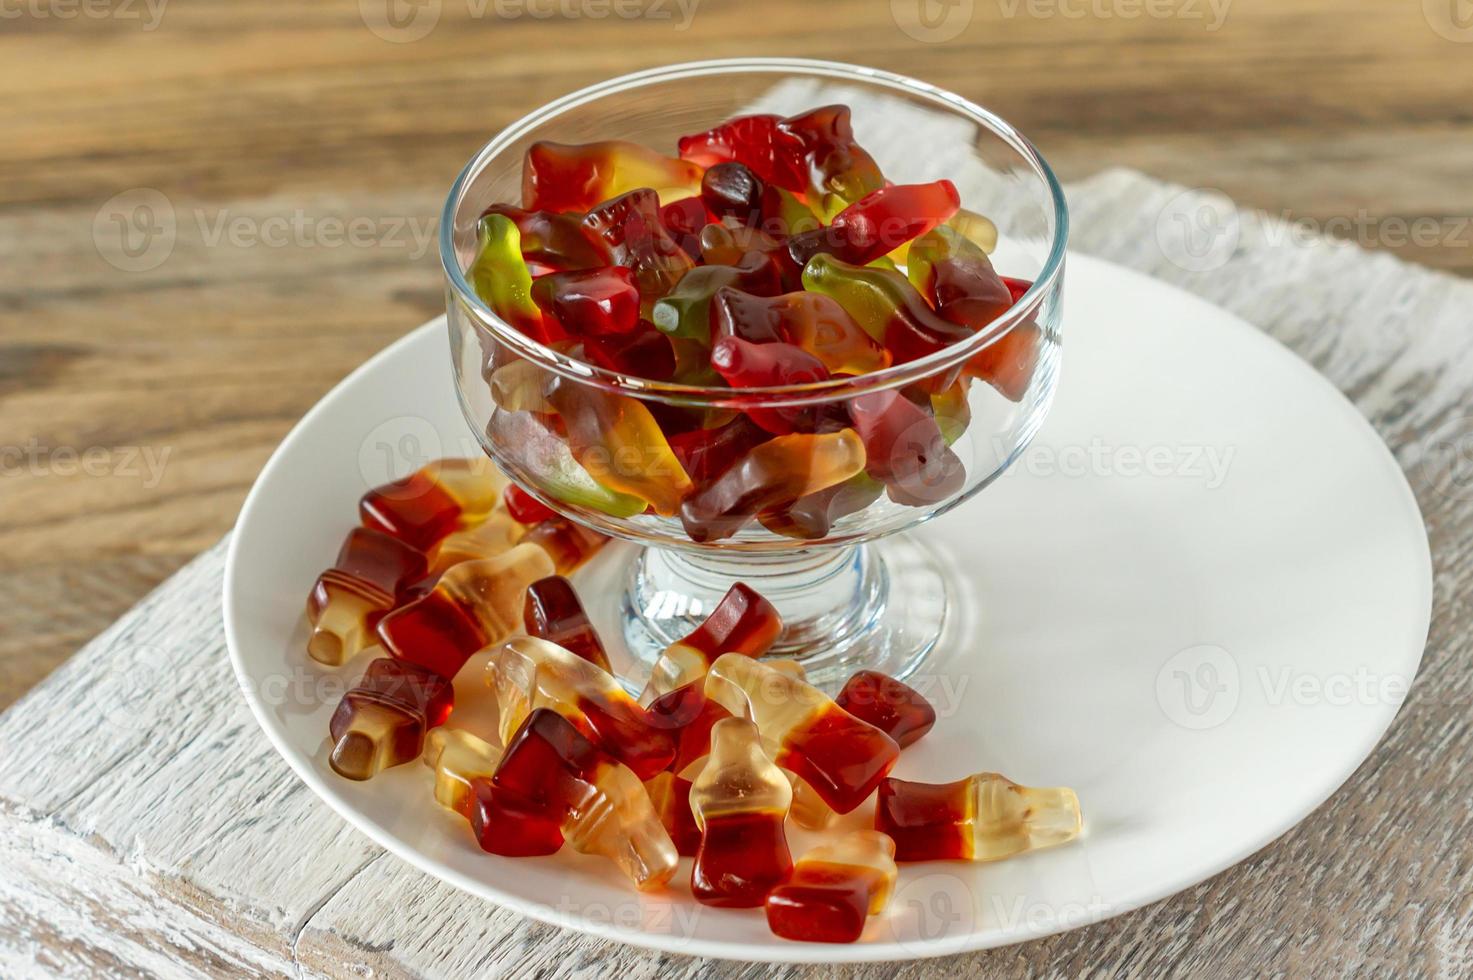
(747, 365)
(523, 507)
(590, 302)
(894, 708)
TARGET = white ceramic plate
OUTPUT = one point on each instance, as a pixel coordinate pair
(1198, 600)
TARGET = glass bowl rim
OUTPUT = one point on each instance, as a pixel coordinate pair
(784, 395)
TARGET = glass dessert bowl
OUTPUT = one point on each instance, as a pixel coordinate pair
(657, 435)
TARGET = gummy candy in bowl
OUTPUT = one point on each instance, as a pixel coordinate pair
(723, 310)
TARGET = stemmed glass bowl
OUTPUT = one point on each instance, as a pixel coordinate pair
(854, 591)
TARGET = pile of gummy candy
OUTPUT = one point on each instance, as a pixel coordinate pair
(720, 750)
(775, 260)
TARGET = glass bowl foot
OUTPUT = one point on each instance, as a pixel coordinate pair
(880, 606)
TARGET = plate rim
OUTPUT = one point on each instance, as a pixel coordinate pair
(862, 951)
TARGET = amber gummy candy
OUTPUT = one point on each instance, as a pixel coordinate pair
(370, 575)
(742, 622)
(527, 673)
(434, 501)
(601, 805)
(383, 720)
(840, 756)
(985, 817)
(474, 604)
(894, 708)
(834, 888)
(740, 800)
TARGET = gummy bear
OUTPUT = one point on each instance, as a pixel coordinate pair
(813, 153)
(811, 321)
(772, 475)
(575, 177)
(501, 278)
(619, 443)
(812, 517)
(904, 448)
(630, 226)
(590, 302)
(894, 708)
(436, 500)
(643, 352)
(981, 818)
(879, 223)
(707, 453)
(758, 142)
(382, 721)
(371, 573)
(840, 756)
(743, 364)
(554, 613)
(474, 604)
(527, 673)
(553, 242)
(834, 888)
(686, 311)
(886, 305)
(601, 805)
(740, 800)
(836, 163)
(742, 622)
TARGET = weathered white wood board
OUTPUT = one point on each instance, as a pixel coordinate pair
(147, 827)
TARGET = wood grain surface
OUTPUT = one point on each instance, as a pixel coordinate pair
(144, 380)
(147, 827)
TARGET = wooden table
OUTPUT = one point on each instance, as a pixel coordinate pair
(136, 407)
